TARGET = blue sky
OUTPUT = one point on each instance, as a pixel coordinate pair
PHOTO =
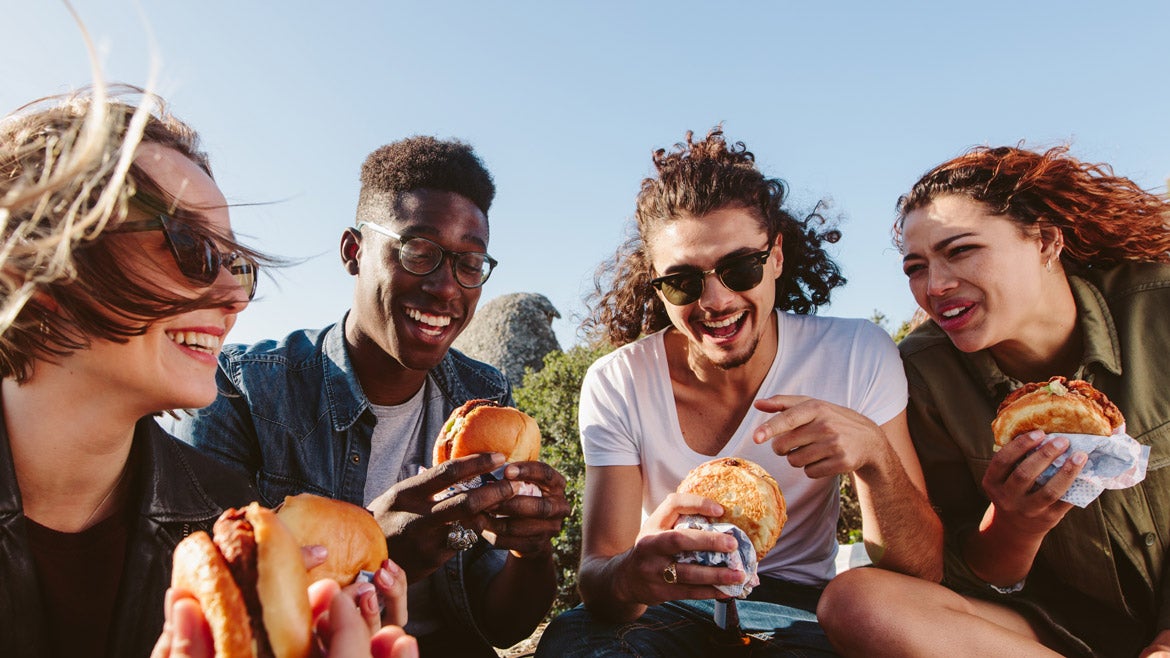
(565, 102)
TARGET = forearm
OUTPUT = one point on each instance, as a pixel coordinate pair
(902, 532)
(998, 553)
(600, 582)
(518, 597)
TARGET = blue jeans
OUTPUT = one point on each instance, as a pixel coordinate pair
(778, 619)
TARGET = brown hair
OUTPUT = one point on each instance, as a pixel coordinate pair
(695, 179)
(1105, 219)
(67, 178)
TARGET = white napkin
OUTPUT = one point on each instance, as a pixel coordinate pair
(1115, 462)
(744, 558)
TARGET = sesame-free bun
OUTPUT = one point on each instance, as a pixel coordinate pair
(349, 533)
(483, 426)
(750, 498)
(252, 557)
(1057, 405)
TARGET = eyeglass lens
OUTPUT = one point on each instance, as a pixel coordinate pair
(421, 256)
(739, 275)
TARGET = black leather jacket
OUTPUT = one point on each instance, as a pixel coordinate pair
(178, 489)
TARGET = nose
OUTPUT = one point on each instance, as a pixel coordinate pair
(939, 280)
(715, 295)
(441, 282)
(235, 299)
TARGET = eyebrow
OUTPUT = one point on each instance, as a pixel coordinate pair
(940, 245)
(433, 234)
(685, 267)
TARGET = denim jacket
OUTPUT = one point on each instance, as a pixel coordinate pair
(293, 415)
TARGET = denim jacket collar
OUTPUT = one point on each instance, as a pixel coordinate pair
(347, 400)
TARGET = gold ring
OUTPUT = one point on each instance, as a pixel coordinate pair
(670, 573)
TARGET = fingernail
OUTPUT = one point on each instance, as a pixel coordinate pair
(364, 588)
(1035, 435)
(1060, 443)
(384, 579)
(319, 552)
(498, 458)
(390, 566)
(759, 436)
(512, 471)
(1080, 458)
(370, 603)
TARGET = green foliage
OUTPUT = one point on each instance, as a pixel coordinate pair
(551, 396)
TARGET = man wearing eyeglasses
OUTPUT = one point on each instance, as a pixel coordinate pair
(352, 411)
(720, 357)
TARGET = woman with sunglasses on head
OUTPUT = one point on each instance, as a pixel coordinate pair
(119, 278)
(1029, 265)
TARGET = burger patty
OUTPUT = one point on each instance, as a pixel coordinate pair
(236, 540)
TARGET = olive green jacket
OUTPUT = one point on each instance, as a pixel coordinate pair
(1099, 578)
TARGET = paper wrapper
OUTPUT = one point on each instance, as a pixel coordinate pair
(743, 559)
(1115, 462)
(526, 488)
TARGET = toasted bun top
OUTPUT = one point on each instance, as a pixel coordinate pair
(1058, 405)
(282, 583)
(483, 426)
(200, 568)
(750, 498)
(348, 532)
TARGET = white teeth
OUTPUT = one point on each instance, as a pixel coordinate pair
(725, 322)
(196, 340)
(439, 321)
(952, 312)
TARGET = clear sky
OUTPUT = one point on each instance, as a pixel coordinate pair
(565, 101)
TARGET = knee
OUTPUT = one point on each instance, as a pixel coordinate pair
(856, 601)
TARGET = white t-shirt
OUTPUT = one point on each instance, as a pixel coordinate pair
(628, 417)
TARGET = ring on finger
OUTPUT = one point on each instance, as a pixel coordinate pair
(460, 538)
(670, 573)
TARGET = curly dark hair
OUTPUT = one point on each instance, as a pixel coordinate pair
(421, 162)
(65, 187)
(1105, 219)
(696, 179)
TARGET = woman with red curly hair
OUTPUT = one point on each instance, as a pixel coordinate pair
(1028, 265)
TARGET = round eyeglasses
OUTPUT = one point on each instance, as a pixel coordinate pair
(421, 256)
(738, 274)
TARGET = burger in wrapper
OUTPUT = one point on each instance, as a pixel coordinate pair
(480, 426)
(754, 513)
(1090, 422)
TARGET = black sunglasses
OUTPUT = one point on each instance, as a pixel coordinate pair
(199, 258)
(738, 274)
(421, 256)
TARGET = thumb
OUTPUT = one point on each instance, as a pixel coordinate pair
(191, 636)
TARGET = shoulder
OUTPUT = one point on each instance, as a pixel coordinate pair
(828, 332)
(1130, 279)
(294, 348)
(629, 358)
(927, 337)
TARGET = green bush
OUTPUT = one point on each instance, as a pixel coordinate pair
(550, 396)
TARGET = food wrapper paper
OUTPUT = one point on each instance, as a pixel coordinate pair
(526, 488)
(744, 558)
(1115, 462)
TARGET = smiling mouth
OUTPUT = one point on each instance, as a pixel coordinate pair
(429, 324)
(196, 340)
(726, 327)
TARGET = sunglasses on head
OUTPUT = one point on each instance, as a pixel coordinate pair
(421, 256)
(738, 274)
(198, 257)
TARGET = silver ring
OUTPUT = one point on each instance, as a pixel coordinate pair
(670, 573)
(460, 538)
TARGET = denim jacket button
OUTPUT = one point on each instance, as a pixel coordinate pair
(355, 458)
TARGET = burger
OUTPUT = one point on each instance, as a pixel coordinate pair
(1058, 405)
(349, 533)
(484, 426)
(750, 498)
(251, 583)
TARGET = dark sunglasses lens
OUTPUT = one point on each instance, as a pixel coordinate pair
(743, 275)
(196, 257)
(244, 271)
(682, 289)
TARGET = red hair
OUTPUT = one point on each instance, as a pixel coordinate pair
(1105, 219)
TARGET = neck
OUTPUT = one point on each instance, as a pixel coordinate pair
(742, 380)
(384, 380)
(1051, 344)
(69, 449)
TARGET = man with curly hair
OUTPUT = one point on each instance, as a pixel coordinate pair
(352, 411)
(720, 283)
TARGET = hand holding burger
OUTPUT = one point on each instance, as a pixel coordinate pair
(750, 498)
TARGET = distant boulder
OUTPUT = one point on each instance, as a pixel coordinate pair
(511, 332)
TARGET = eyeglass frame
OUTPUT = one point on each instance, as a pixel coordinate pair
(444, 254)
(760, 257)
(220, 259)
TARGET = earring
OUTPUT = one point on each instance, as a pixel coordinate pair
(1048, 265)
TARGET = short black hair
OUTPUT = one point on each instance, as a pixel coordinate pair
(422, 162)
